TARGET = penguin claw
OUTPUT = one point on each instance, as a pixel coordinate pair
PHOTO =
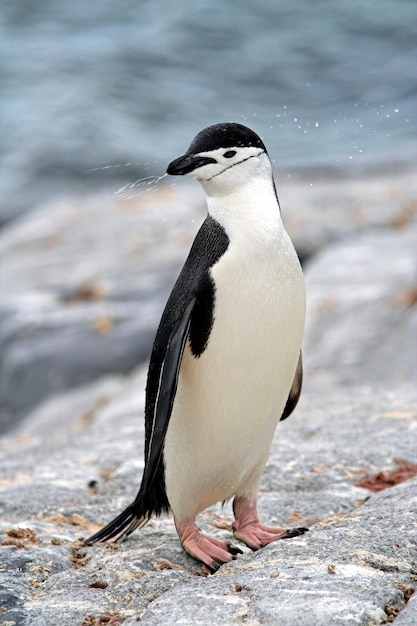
(214, 566)
(294, 532)
(234, 549)
(257, 536)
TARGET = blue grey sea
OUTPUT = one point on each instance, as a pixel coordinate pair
(100, 92)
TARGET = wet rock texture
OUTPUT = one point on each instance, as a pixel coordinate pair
(86, 283)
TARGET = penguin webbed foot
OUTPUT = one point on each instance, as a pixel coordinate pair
(210, 551)
(252, 532)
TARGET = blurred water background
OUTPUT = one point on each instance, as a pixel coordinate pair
(102, 93)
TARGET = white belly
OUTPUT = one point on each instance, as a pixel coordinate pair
(229, 400)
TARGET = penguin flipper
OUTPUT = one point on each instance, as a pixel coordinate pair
(295, 390)
(151, 498)
(165, 396)
(191, 301)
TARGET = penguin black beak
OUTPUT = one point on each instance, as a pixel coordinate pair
(188, 163)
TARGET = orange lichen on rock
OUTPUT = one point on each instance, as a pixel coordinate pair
(382, 480)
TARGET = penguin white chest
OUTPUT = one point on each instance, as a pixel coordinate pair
(230, 399)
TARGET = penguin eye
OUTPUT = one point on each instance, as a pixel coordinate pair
(229, 154)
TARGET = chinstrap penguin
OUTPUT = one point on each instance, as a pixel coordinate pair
(226, 361)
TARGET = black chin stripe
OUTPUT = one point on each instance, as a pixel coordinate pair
(233, 164)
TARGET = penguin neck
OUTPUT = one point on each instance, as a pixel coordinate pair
(251, 209)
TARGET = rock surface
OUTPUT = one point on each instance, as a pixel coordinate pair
(76, 461)
(86, 282)
(361, 309)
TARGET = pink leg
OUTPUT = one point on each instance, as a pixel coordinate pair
(208, 550)
(249, 529)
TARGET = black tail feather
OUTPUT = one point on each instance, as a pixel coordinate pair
(148, 503)
(122, 526)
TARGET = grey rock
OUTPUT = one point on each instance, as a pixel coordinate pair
(62, 478)
(335, 575)
(361, 309)
(84, 285)
(316, 459)
(320, 210)
(77, 460)
(408, 615)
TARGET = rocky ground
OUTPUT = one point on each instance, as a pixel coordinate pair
(85, 283)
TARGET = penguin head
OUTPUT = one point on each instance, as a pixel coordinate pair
(224, 157)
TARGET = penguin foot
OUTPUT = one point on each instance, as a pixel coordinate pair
(252, 532)
(210, 551)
